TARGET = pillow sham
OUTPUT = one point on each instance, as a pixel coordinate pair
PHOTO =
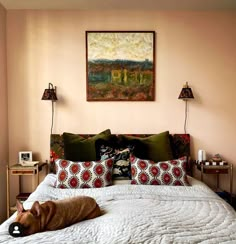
(155, 147)
(147, 172)
(77, 148)
(87, 174)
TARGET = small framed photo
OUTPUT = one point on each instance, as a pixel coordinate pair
(25, 156)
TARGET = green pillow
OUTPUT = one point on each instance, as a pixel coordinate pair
(77, 148)
(155, 147)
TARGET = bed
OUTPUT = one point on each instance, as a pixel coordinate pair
(137, 213)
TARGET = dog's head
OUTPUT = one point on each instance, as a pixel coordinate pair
(29, 219)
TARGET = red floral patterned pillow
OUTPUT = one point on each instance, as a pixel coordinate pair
(90, 174)
(147, 172)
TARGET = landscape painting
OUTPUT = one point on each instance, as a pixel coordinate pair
(120, 65)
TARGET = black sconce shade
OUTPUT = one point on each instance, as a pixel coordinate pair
(50, 93)
(186, 92)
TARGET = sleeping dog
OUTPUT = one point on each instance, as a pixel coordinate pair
(54, 215)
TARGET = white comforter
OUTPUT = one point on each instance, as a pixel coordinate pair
(139, 214)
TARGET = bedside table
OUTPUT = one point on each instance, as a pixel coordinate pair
(217, 170)
(20, 170)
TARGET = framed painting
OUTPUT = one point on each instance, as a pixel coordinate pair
(120, 65)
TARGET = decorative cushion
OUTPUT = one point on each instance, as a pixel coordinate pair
(106, 151)
(77, 148)
(121, 164)
(147, 172)
(180, 144)
(156, 147)
(87, 174)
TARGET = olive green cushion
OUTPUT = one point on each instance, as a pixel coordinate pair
(155, 147)
(77, 148)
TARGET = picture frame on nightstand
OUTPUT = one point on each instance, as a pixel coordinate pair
(25, 156)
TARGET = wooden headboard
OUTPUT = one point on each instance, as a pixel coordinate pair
(180, 144)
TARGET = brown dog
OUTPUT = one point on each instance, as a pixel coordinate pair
(54, 215)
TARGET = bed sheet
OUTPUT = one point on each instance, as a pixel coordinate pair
(139, 214)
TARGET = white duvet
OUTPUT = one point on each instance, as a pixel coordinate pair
(139, 214)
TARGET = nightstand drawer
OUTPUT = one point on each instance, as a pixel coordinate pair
(215, 171)
(23, 172)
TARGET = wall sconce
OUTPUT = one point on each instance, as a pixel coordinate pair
(50, 95)
(185, 94)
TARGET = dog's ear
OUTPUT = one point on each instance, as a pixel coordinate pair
(36, 209)
(19, 206)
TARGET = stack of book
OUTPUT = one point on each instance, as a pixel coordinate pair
(216, 160)
(212, 163)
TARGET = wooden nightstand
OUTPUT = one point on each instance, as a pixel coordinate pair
(217, 170)
(20, 170)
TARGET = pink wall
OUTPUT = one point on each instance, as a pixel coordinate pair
(49, 46)
(3, 114)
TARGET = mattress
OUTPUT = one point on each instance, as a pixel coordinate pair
(139, 214)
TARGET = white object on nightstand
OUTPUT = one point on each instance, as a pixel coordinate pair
(29, 163)
(201, 155)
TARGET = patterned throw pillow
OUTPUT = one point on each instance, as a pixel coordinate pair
(88, 174)
(121, 157)
(106, 151)
(121, 167)
(147, 172)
